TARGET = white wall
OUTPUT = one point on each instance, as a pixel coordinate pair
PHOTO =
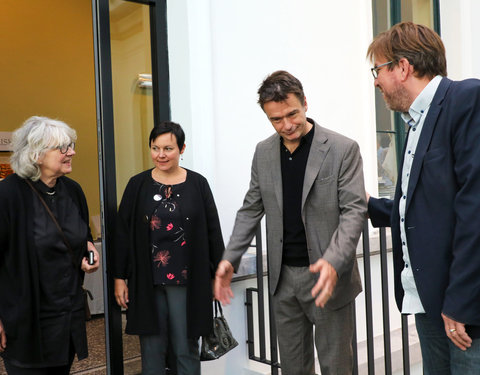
(220, 51)
(460, 32)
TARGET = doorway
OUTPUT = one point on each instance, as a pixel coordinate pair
(90, 64)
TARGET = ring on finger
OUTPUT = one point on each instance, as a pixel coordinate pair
(452, 330)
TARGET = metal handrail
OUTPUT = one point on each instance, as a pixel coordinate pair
(367, 287)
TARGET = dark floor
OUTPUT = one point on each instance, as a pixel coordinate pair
(95, 363)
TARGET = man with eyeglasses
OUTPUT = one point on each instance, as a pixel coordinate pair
(435, 215)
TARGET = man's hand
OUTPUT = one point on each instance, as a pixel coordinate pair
(223, 279)
(323, 289)
(87, 268)
(456, 332)
(3, 338)
(121, 293)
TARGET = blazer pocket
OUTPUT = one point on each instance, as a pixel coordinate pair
(323, 196)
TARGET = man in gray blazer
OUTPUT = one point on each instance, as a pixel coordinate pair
(308, 180)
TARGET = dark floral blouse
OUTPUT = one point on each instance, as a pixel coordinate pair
(168, 244)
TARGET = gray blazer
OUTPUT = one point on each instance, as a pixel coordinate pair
(333, 209)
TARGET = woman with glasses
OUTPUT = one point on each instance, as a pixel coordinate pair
(44, 242)
(168, 246)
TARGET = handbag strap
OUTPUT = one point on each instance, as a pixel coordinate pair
(54, 220)
(218, 306)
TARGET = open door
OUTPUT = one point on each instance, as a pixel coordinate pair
(132, 86)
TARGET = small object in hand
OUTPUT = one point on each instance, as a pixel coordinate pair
(91, 261)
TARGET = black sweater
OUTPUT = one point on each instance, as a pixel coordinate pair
(19, 277)
(132, 256)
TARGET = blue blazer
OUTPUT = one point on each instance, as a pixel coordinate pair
(442, 217)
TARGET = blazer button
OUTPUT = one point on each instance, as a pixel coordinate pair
(145, 219)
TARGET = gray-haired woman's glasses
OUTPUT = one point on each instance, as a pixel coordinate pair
(64, 148)
(375, 69)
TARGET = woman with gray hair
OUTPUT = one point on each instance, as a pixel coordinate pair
(45, 240)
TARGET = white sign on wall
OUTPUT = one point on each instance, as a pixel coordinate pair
(5, 141)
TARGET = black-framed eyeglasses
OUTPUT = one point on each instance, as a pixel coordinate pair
(375, 69)
(64, 148)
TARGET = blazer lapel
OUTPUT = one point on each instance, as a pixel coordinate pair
(316, 157)
(276, 170)
(424, 141)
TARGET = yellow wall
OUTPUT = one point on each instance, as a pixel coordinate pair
(47, 68)
(133, 106)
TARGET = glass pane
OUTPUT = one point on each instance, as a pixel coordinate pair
(48, 63)
(418, 11)
(133, 113)
(387, 164)
(132, 92)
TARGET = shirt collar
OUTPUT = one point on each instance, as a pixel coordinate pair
(421, 103)
(42, 188)
(309, 136)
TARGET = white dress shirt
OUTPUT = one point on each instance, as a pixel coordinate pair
(414, 118)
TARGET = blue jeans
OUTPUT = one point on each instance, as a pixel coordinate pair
(171, 303)
(440, 356)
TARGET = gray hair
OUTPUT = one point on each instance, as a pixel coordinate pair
(33, 139)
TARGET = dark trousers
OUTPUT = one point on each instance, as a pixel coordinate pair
(57, 370)
(171, 302)
(13, 369)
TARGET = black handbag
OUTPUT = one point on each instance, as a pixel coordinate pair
(220, 341)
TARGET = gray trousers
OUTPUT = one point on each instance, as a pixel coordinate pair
(296, 315)
(171, 302)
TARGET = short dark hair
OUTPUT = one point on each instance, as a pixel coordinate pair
(277, 86)
(168, 127)
(420, 45)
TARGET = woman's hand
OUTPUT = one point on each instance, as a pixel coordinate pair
(121, 293)
(87, 268)
(3, 338)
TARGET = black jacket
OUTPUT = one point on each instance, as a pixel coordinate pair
(132, 256)
(19, 283)
(442, 217)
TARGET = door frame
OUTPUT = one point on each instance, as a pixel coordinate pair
(106, 146)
